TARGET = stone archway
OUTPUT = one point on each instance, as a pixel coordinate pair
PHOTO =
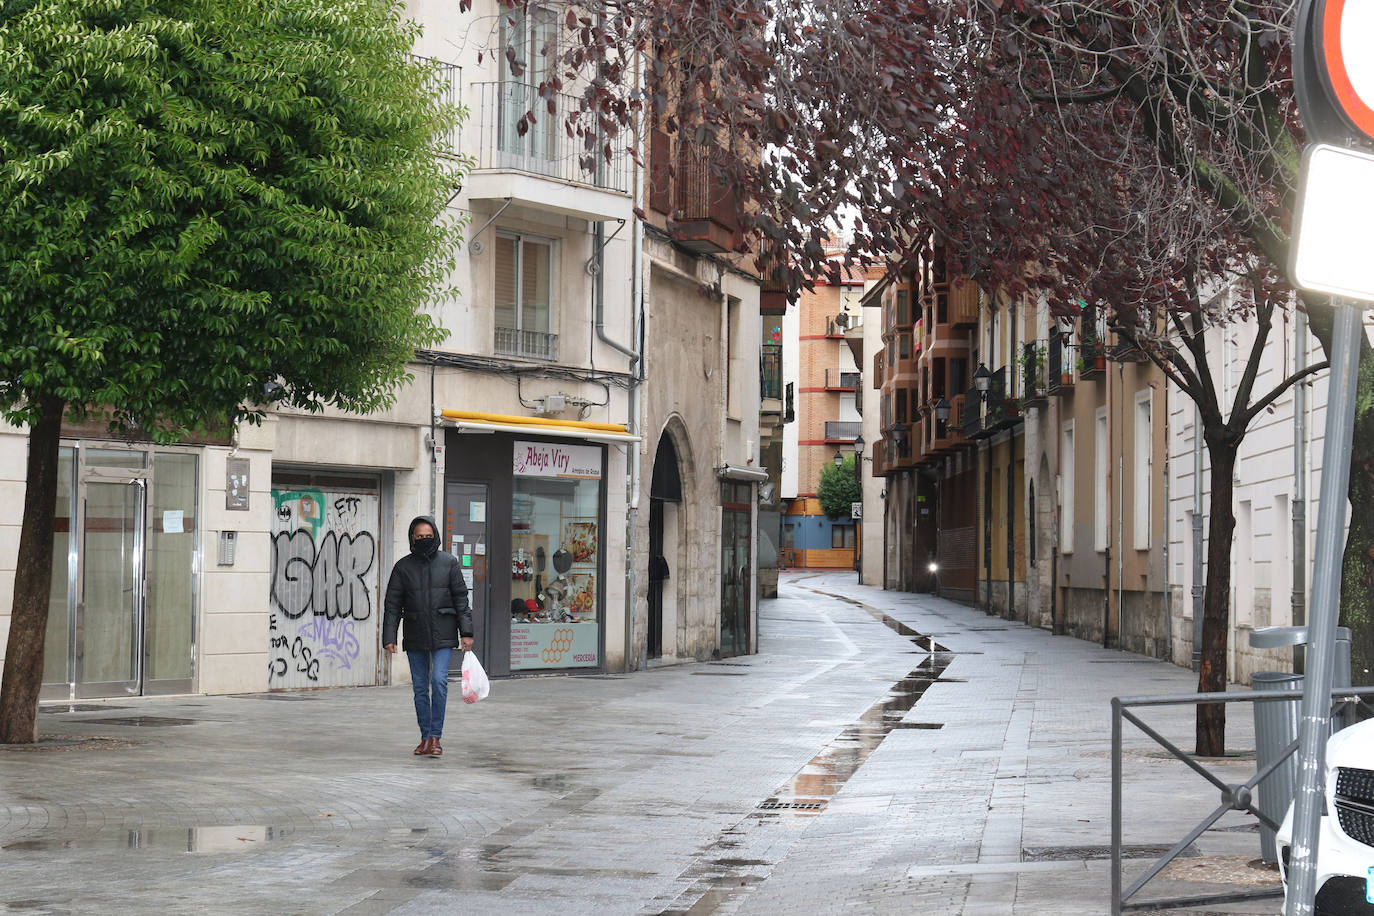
(671, 508)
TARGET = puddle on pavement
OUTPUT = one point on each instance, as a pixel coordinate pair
(719, 878)
(219, 838)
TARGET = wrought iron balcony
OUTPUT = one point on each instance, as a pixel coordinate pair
(529, 344)
(842, 430)
(508, 141)
(841, 380)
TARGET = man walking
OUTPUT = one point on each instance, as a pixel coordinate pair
(428, 591)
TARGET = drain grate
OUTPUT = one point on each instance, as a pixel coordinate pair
(722, 673)
(791, 806)
(79, 707)
(142, 721)
(919, 725)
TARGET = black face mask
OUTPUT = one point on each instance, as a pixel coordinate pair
(423, 547)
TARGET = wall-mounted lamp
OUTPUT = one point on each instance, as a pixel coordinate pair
(942, 410)
(982, 379)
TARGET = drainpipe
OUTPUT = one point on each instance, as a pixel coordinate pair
(1121, 507)
(1011, 478)
(1168, 598)
(637, 322)
(1107, 485)
(1300, 488)
(1197, 538)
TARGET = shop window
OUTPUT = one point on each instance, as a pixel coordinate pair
(524, 297)
(842, 537)
(556, 542)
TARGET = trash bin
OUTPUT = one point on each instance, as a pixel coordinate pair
(1276, 723)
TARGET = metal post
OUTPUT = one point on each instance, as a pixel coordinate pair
(1326, 592)
(1300, 489)
(1116, 806)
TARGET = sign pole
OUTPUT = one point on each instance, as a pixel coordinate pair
(1313, 725)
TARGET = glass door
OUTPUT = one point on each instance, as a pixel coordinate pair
(110, 590)
(466, 521)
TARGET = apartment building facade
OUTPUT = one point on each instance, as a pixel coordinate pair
(257, 561)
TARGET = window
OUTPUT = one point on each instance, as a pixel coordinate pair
(903, 307)
(1066, 486)
(842, 537)
(531, 37)
(524, 290)
(904, 346)
(1100, 480)
(1144, 445)
(901, 405)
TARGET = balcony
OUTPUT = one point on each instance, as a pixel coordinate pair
(842, 430)
(971, 416)
(963, 303)
(841, 380)
(528, 344)
(539, 164)
(770, 374)
(773, 292)
(1060, 369)
(1034, 357)
(1002, 409)
(705, 215)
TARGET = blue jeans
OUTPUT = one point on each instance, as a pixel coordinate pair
(429, 678)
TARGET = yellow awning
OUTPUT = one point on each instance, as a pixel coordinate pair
(477, 421)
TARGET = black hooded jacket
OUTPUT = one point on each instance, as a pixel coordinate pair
(429, 593)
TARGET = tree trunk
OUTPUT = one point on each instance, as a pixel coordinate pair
(1216, 602)
(32, 582)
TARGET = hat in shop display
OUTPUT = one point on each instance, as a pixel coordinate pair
(562, 561)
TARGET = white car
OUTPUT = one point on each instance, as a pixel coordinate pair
(1345, 850)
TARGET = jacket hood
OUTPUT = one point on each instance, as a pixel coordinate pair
(410, 532)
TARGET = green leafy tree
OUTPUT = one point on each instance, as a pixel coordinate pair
(209, 206)
(839, 489)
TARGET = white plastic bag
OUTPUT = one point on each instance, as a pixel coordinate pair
(475, 683)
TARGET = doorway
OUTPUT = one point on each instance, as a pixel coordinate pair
(121, 611)
(665, 495)
(736, 568)
(466, 521)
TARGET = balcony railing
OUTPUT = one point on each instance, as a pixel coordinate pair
(705, 205)
(770, 372)
(842, 430)
(1034, 367)
(449, 79)
(972, 414)
(1002, 409)
(842, 380)
(508, 141)
(531, 344)
(1061, 366)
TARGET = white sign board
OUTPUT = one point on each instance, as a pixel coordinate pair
(856, 510)
(1334, 232)
(548, 459)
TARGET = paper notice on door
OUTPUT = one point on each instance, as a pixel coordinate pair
(467, 578)
(477, 512)
(172, 521)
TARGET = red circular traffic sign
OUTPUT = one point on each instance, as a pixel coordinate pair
(1343, 37)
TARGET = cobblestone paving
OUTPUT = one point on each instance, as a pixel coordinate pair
(844, 769)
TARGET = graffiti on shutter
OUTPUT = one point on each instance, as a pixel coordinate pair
(326, 600)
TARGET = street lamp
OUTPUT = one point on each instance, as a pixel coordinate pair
(982, 379)
(942, 410)
(839, 459)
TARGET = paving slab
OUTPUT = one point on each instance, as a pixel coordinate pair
(846, 768)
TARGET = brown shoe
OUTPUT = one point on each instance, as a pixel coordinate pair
(422, 749)
(434, 749)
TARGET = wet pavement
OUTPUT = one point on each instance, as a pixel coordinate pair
(883, 753)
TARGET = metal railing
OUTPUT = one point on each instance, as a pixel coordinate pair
(448, 87)
(842, 430)
(532, 344)
(507, 140)
(770, 372)
(1234, 796)
(841, 378)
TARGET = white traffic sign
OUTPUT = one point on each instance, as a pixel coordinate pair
(1332, 241)
(856, 510)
